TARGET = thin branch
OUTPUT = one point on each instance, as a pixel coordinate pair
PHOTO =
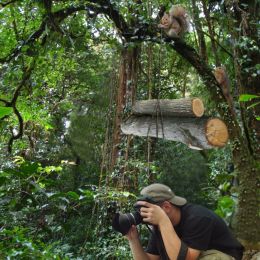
(20, 131)
(101, 6)
(14, 24)
(7, 103)
(222, 47)
(26, 76)
(60, 15)
(2, 5)
(16, 51)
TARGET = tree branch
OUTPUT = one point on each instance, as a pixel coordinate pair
(20, 131)
(26, 76)
(7, 3)
(7, 103)
(102, 6)
(222, 47)
(59, 15)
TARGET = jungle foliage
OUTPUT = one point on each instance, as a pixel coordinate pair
(64, 167)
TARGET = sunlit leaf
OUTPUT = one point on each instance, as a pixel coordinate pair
(52, 169)
(247, 97)
(5, 111)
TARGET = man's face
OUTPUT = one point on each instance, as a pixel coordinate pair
(170, 211)
(166, 206)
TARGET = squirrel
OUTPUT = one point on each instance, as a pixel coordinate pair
(223, 80)
(176, 22)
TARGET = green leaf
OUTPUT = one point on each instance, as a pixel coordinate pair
(29, 168)
(54, 195)
(247, 97)
(52, 169)
(126, 194)
(258, 118)
(4, 111)
(73, 195)
(225, 202)
(2, 180)
(219, 212)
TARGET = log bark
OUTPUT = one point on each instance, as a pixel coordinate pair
(183, 107)
(197, 133)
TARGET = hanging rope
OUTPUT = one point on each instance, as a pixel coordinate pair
(158, 113)
(107, 147)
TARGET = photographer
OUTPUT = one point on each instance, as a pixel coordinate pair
(181, 230)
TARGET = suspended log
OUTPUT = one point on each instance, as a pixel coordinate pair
(197, 133)
(184, 107)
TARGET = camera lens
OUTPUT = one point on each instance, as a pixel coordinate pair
(123, 222)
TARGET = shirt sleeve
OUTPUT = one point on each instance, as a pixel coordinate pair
(152, 245)
(198, 232)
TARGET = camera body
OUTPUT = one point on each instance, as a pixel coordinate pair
(122, 222)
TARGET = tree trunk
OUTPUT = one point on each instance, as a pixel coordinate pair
(246, 154)
(197, 133)
(198, 27)
(120, 104)
(211, 31)
(125, 94)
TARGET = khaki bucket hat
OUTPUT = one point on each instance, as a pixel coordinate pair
(160, 192)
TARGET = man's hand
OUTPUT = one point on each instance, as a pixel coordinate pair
(132, 234)
(152, 213)
(136, 247)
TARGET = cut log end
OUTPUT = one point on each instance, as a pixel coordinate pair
(197, 107)
(216, 132)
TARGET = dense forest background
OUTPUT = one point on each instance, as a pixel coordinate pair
(70, 72)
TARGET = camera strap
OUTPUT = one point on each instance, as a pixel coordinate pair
(183, 251)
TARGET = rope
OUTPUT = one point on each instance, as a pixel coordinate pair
(158, 112)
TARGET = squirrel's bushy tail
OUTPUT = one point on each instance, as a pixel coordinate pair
(181, 15)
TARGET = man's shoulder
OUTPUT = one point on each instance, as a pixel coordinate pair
(195, 211)
(197, 220)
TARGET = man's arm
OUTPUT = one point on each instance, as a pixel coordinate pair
(172, 242)
(136, 247)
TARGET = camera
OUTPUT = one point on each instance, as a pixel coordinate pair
(122, 222)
